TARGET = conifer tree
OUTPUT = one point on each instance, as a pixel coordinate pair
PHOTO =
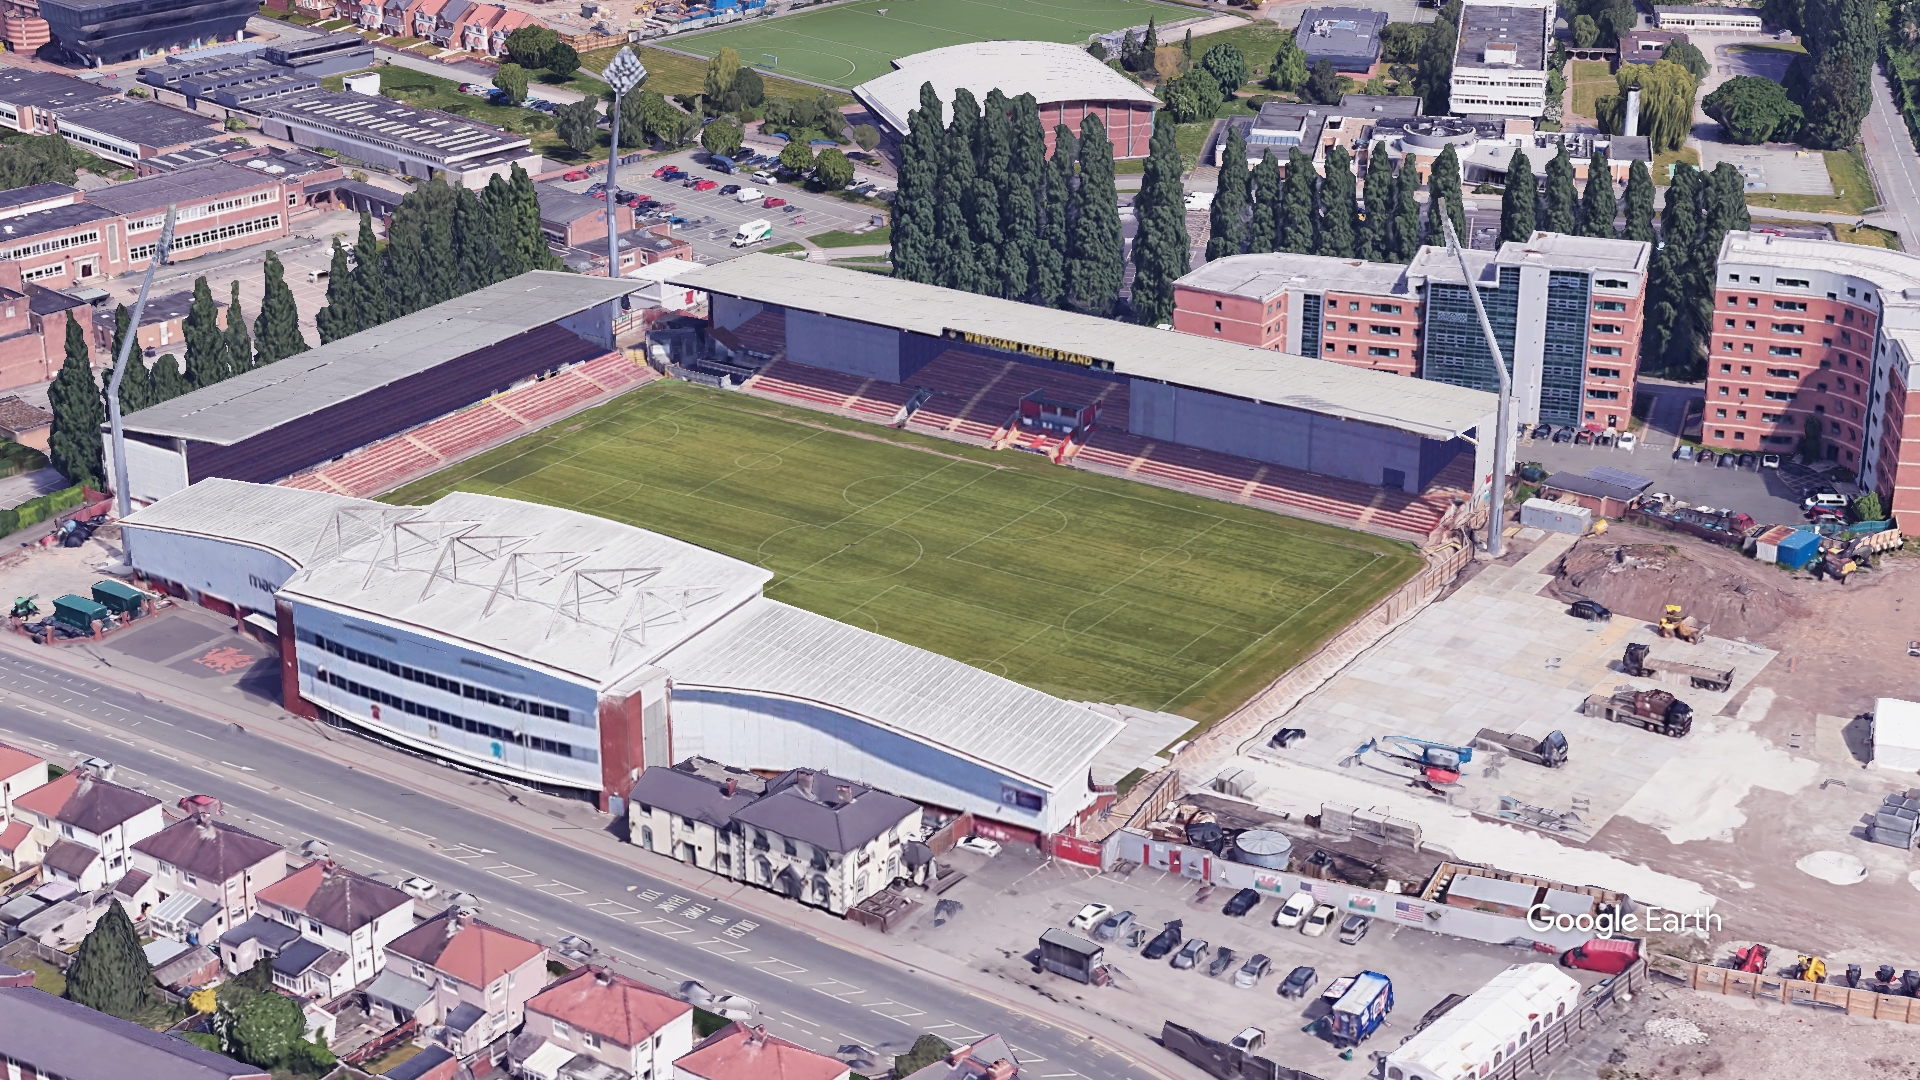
(1517, 204)
(1227, 224)
(1668, 340)
(369, 278)
(1563, 202)
(1376, 232)
(497, 203)
(1406, 211)
(1021, 196)
(110, 972)
(73, 445)
(1598, 207)
(1639, 200)
(473, 241)
(206, 345)
(1162, 249)
(1152, 41)
(1098, 251)
(1050, 263)
(339, 318)
(239, 345)
(526, 234)
(167, 380)
(993, 155)
(916, 243)
(277, 330)
(959, 269)
(1266, 204)
(1293, 224)
(136, 385)
(1339, 207)
(1443, 191)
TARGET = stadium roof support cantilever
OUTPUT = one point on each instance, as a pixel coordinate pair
(468, 549)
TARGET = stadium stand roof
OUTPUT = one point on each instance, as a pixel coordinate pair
(288, 522)
(1048, 70)
(1429, 409)
(579, 595)
(772, 648)
(257, 401)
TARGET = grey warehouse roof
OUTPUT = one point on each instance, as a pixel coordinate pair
(62, 1037)
(1429, 409)
(775, 649)
(189, 185)
(1341, 34)
(141, 122)
(260, 400)
(1050, 71)
(435, 136)
(285, 521)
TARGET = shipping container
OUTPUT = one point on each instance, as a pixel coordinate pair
(1556, 517)
(1070, 955)
(1796, 551)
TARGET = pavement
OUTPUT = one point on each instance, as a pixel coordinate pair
(154, 699)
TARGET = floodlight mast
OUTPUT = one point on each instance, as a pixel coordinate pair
(623, 73)
(122, 499)
(1497, 492)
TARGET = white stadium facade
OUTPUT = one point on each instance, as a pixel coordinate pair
(569, 652)
(1067, 83)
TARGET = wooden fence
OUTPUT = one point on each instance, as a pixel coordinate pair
(1762, 987)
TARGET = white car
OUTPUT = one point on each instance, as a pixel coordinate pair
(1297, 907)
(981, 844)
(1199, 200)
(1318, 922)
(749, 194)
(1090, 916)
(1626, 440)
(419, 888)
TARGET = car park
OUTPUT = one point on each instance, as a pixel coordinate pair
(1590, 610)
(1192, 953)
(1090, 916)
(1317, 923)
(1297, 907)
(1223, 959)
(1353, 928)
(1252, 971)
(1299, 982)
(981, 845)
(1162, 943)
(1113, 926)
(1243, 901)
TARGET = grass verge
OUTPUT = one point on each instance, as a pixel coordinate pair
(840, 238)
(1852, 187)
(1867, 236)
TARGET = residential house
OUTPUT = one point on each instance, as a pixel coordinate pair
(20, 772)
(88, 827)
(503, 25)
(988, 1059)
(739, 1052)
(206, 876)
(256, 939)
(311, 971)
(433, 1063)
(805, 834)
(396, 16)
(426, 17)
(470, 32)
(471, 980)
(595, 1015)
(447, 19)
(49, 1036)
(28, 425)
(343, 913)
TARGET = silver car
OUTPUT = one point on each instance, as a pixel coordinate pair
(1190, 954)
(1251, 972)
(1113, 926)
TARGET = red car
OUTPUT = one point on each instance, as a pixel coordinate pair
(706, 185)
(662, 171)
(773, 201)
(577, 174)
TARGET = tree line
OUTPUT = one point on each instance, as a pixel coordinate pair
(1701, 209)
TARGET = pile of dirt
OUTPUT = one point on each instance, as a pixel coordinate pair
(1637, 572)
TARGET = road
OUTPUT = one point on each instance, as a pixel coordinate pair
(1896, 169)
(809, 990)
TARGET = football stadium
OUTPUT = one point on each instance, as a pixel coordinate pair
(848, 44)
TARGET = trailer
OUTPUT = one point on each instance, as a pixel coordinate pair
(1639, 662)
(1655, 710)
(1550, 751)
(1482, 1032)
(1359, 1011)
(1070, 955)
(1709, 525)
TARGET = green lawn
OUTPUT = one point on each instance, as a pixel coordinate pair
(848, 44)
(676, 75)
(1866, 236)
(840, 238)
(1591, 81)
(1081, 585)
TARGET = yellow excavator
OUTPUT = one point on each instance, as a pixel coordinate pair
(1674, 625)
(1810, 969)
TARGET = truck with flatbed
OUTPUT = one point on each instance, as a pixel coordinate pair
(1550, 751)
(1640, 662)
(1655, 710)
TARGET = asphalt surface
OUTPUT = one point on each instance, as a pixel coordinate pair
(807, 990)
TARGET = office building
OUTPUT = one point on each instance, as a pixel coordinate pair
(1500, 58)
(97, 32)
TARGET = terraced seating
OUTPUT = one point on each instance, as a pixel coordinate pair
(765, 334)
(469, 429)
(819, 388)
(380, 467)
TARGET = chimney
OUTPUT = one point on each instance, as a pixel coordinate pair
(959, 1055)
(203, 825)
(844, 793)
(602, 977)
(1001, 1070)
(805, 782)
(453, 924)
(733, 785)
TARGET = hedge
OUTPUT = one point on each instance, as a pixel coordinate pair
(35, 511)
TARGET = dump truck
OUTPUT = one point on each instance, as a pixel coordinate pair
(1550, 751)
(1655, 710)
(1685, 627)
(1639, 662)
(1359, 1011)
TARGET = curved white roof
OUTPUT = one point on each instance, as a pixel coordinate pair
(1049, 70)
(1524, 999)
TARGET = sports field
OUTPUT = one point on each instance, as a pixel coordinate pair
(847, 44)
(1084, 586)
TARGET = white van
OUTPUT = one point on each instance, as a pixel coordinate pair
(1826, 501)
(757, 231)
(322, 274)
(749, 194)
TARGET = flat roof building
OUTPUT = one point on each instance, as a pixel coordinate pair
(127, 130)
(327, 54)
(34, 197)
(1348, 37)
(99, 32)
(1500, 58)
(1708, 19)
(416, 142)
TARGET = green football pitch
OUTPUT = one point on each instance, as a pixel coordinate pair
(1085, 586)
(847, 44)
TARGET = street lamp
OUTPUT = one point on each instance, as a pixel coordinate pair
(122, 499)
(1503, 425)
(623, 73)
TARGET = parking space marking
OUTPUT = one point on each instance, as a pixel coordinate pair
(621, 914)
(851, 990)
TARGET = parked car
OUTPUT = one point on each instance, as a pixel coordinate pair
(1318, 922)
(1562, 434)
(1222, 960)
(1825, 500)
(1683, 452)
(1299, 982)
(1703, 456)
(1252, 971)
(1249, 1040)
(475, 89)
(763, 174)
(721, 164)
(1243, 901)
(1626, 440)
(1190, 954)
(1769, 461)
(1297, 907)
(706, 185)
(1353, 928)
(730, 189)
(1113, 926)
(419, 888)
(773, 201)
(577, 174)
(1729, 461)
(1089, 916)
(748, 194)
(1750, 461)
(1590, 610)
(1543, 431)
(662, 171)
(1582, 437)
(575, 947)
(981, 845)
(1162, 943)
